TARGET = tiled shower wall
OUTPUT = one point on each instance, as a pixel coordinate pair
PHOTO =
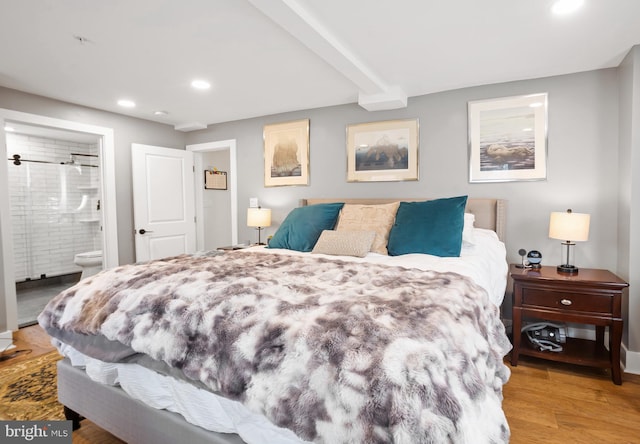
(54, 207)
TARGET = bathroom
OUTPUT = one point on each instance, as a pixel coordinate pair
(56, 222)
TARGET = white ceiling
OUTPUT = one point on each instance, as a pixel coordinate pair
(269, 56)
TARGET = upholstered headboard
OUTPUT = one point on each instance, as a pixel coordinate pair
(489, 213)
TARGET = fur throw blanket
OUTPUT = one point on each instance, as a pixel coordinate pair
(337, 351)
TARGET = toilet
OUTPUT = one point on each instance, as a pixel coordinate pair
(90, 262)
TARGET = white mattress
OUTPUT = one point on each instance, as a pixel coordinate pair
(485, 262)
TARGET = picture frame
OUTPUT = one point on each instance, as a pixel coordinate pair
(383, 151)
(215, 180)
(508, 139)
(286, 153)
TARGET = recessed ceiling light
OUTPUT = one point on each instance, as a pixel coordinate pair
(126, 103)
(201, 84)
(160, 113)
(562, 7)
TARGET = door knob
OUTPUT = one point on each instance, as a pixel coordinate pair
(142, 231)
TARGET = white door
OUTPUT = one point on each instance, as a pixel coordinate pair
(163, 201)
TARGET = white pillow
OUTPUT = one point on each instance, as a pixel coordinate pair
(468, 238)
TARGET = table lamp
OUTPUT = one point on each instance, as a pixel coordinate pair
(570, 227)
(259, 218)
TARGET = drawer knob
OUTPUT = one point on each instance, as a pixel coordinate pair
(566, 302)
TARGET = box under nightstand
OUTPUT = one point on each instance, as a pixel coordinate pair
(590, 296)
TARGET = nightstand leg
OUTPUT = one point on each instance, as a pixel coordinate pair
(517, 322)
(615, 337)
(600, 335)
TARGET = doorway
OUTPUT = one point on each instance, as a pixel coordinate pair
(105, 163)
(55, 203)
(224, 202)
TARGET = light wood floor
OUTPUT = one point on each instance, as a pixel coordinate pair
(545, 402)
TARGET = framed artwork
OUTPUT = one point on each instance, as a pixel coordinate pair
(286, 153)
(508, 139)
(382, 151)
(215, 180)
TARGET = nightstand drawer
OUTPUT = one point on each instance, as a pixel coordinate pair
(584, 302)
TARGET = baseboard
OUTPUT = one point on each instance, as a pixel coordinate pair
(6, 341)
(631, 360)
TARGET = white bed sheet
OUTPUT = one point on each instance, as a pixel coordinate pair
(165, 392)
(485, 262)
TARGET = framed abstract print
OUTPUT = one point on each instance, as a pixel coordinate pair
(508, 139)
(286, 153)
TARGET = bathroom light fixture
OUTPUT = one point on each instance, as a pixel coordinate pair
(200, 84)
(259, 218)
(126, 103)
(562, 7)
(570, 227)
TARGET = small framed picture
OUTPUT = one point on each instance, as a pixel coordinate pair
(215, 180)
(508, 139)
(382, 151)
(286, 153)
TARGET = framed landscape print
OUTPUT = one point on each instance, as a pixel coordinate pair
(508, 139)
(286, 153)
(382, 151)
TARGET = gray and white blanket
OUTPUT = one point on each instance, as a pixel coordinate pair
(337, 351)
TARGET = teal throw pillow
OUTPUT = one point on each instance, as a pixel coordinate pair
(302, 227)
(429, 227)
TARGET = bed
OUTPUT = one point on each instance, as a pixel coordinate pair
(349, 338)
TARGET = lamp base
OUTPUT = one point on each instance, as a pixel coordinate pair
(570, 269)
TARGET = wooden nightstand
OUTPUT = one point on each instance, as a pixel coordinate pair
(589, 297)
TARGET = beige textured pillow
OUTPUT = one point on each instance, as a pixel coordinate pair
(379, 218)
(344, 243)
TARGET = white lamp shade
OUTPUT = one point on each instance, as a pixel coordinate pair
(258, 217)
(569, 226)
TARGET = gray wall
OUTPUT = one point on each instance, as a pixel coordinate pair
(629, 192)
(582, 161)
(217, 204)
(127, 130)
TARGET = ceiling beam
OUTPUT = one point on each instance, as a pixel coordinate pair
(374, 93)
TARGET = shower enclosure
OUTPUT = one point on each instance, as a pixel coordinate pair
(55, 207)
